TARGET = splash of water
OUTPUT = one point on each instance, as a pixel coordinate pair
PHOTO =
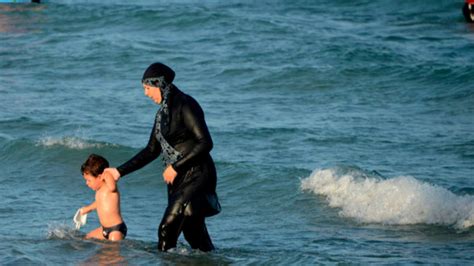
(61, 231)
(69, 142)
(398, 201)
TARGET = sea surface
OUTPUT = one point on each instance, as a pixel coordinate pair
(343, 130)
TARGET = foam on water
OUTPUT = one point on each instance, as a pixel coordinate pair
(62, 231)
(397, 201)
(69, 142)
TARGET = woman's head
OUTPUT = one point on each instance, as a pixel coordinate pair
(158, 70)
(156, 78)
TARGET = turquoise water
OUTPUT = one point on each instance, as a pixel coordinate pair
(343, 133)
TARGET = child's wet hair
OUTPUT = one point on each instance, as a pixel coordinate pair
(94, 165)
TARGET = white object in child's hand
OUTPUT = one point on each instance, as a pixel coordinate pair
(79, 219)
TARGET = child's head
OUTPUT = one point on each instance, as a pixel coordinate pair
(92, 168)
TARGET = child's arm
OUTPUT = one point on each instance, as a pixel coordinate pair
(89, 208)
(110, 182)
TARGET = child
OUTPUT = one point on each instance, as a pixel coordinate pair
(107, 200)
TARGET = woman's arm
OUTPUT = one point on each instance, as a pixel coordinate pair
(194, 121)
(144, 157)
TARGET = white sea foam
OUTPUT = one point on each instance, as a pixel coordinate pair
(398, 201)
(68, 142)
(61, 231)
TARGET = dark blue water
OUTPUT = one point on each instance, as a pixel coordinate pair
(344, 133)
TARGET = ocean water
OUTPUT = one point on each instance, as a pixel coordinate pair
(344, 133)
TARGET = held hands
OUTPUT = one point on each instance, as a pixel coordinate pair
(169, 175)
(112, 172)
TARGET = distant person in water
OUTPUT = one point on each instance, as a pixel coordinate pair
(181, 136)
(468, 11)
(107, 200)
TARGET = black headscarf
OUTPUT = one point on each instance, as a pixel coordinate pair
(161, 76)
(157, 70)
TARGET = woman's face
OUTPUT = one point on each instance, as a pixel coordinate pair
(153, 93)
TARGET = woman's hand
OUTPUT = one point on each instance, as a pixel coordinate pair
(169, 175)
(112, 172)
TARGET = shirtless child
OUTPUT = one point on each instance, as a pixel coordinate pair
(107, 200)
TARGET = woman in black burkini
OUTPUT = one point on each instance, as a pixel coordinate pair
(468, 11)
(180, 134)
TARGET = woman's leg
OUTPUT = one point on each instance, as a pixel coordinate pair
(195, 232)
(170, 227)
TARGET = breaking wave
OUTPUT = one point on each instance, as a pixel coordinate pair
(401, 200)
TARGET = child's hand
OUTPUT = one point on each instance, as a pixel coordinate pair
(112, 172)
(89, 208)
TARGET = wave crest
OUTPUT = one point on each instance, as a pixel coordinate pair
(397, 201)
(69, 142)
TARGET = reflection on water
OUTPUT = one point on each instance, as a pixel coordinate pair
(20, 18)
(107, 253)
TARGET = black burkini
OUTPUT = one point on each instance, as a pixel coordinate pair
(468, 12)
(192, 196)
